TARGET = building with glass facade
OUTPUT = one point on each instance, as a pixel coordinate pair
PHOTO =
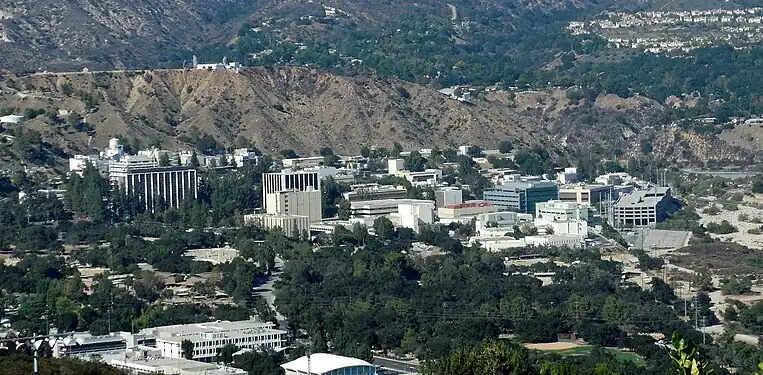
(521, 196)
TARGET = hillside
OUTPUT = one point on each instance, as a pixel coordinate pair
(294, 108)
(70, 35)
(306, 109)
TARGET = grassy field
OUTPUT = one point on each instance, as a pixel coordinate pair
(586, 349)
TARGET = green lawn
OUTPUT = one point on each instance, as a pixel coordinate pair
(585, 350)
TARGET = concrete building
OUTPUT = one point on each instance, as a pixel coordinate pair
(497, 244)
(170, 366)
(426, 177)
(275, 184)
(521, 196)
(506, 220)
(288, 223)
(586, 194)
(207, 338)
(79, 163)
(289, 180)
(567, 176)
(154, 185)
(11, 119)
(465, 211)
(301, 163)
(644, 207)
(551, 211)
(448, 196)
(395, 166)
(328, 364)
(295, 203)
(370, 192)
(412, 215)
(383, 206)
(569, 228)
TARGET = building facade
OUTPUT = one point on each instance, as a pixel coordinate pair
(370, 192)
(289, 224)
(295, 203)
(207, 338)
(289, 180)
(155, 186)
(644, 207)
(522, 196)
(448, 196)
(551, 211)
(382, 207)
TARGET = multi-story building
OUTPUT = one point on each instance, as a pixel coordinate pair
(289, 180)
(551, 211)
(289, 224)
(370, 192)
(521, 196)
(207, 338)
(301, 163)
(644, 207)
(383, 207)
(464, 212)
(412, 215)
(448, 196)
(295, 203)
(154, 185)
(586, 194)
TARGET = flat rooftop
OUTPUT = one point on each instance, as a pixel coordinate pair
(237, 329)
(648, 197)
(388, 203)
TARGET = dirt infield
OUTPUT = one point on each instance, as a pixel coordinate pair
(553, 346)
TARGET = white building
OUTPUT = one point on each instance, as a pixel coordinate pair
(448, 196)
(78, 163)
(395, 166)
(207, 338)
(464, 212)
(383, 207)
(497, 244)
(288, 223)
(154, 185)
(301, 163)
(567, 176)
(328, 364)
(569, 228)
(11, 119)
(295, 203)
(412, 215)
(551, 211)
(503, 219)
(289, 180)
(132, 362)
(369, 192)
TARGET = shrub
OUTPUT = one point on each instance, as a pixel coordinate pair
(712, 210)
(723, 228)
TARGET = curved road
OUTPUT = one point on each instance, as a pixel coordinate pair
(266, 290)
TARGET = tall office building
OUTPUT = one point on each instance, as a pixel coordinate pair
(292, 193)
(522, 196)
(295, 203)
(152, 184)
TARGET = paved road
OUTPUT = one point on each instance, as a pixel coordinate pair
(394, 366)
(453, 12)
(266, 290)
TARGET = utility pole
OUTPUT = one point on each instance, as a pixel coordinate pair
(696, 312)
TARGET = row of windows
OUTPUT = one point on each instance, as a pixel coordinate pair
(249, 339)
(213, 351)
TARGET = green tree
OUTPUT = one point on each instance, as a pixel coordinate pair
(164, 160)
(225, 354)
(365, 151)
(344, 210)
(186, 346)
(194, 159)
(384, 228)
(505, 147)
